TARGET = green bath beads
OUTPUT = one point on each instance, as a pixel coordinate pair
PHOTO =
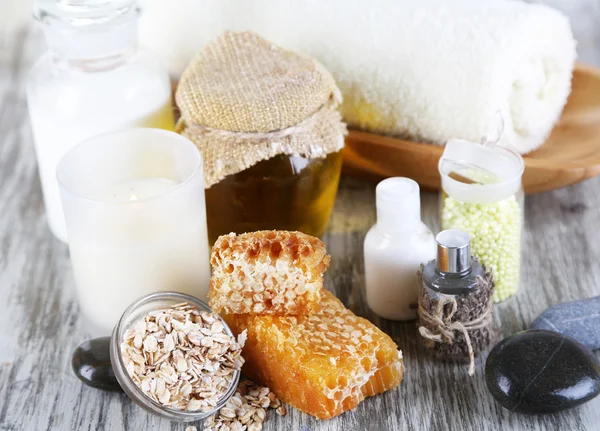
(495, 230)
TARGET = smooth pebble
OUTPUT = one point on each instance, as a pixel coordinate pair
(91, 364)
(578, 319)
(539, 371)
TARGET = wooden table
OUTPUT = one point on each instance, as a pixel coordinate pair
(41, 324)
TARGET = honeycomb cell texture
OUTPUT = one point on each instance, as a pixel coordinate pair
(323, 363)
(267, 272)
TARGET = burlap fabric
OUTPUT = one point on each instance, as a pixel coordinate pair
(243, 100)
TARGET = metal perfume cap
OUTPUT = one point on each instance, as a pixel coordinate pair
(453, 251)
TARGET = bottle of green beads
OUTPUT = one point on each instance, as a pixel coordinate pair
(482, 195)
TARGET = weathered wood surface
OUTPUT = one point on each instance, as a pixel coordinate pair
(40, 322)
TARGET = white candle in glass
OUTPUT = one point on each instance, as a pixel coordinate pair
(136, 220)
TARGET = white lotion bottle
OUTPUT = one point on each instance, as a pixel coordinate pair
(394, 249)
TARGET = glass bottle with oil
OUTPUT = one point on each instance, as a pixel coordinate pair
(92, 80)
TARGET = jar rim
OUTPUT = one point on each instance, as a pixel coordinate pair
(132, 390)
(512, 154)
(507, 185)
(83, 147)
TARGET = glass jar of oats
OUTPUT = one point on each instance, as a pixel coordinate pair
(124, 369)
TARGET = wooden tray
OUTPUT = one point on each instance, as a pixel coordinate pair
(570, 155)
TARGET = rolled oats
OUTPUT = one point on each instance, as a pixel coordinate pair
(245, 410)
(181, 357)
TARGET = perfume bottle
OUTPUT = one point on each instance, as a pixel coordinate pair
(455, 301)
(395, 248)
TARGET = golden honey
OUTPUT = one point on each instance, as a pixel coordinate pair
(283, 193)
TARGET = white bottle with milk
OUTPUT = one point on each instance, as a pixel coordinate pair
(91, 81)
(394, 250)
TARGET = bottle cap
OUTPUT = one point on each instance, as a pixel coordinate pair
(398, 204)
(453, 251)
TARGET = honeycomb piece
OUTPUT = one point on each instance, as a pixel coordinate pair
(324, 363)
(267, 272)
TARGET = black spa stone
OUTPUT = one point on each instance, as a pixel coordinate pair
(540, 371)
(91, 364)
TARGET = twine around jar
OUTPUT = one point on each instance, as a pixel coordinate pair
(198, 130)
(227, 152)
(444, 327)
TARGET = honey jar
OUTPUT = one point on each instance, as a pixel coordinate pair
(266, 122)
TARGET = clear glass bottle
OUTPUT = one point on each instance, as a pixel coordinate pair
(92, 80)
(482, 195)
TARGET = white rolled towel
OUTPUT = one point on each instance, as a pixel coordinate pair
(428, 70)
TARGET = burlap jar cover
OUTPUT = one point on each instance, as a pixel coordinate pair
(244, 100)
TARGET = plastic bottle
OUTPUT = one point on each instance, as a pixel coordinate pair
(394, 249)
